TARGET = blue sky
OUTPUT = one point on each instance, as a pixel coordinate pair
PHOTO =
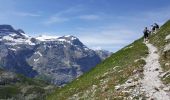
(106, 24)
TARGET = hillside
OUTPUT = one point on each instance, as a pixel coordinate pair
(17, 87)
(162, 42)
(124, 74)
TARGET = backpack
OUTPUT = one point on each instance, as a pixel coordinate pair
(145, 31)
(156, 26)
(153, 28)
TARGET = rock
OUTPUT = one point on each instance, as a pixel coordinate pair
(166, 52)
(152, 99)
(135, 71)
(167, 37)
(167, 64)
(157, 89)
(155, 52)
(138, 71)
(166, 89)
(166, 74)
(103, 54)
(136, 60)
(118, 87)
(157, 69)
(129, 81)
(94, 87)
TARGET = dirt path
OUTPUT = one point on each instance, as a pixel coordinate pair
(151, 83)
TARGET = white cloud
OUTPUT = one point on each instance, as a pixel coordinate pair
(62, 16)
(70, 14)
(90, 17)
(107, 37)
(55, 19)
(71, 10)
(159, 15)
(26, 14)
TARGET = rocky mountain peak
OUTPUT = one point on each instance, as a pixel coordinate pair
(56, 59)
(10, 36)
(20, 31)
(9, 30)
(72, 39)
(6, 28)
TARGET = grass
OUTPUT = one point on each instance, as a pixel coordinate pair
(159, 38)
(30, 81)
(123, 60)
(159, 41)
(13, 89)
(8, 92)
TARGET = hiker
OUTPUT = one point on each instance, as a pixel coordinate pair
(156, 27)
(146, 34)
(153, 29)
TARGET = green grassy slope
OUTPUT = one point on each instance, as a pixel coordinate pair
(18, 87)
(159, 41)
(101, 80)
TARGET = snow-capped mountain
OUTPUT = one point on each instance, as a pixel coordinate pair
(57, 59)
(14, 48)
(12, 37)
(47, 38)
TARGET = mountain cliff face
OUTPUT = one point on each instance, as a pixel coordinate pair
(139, 71)
(63, 59)
(15, 47)
(103, 54)
(58, 60)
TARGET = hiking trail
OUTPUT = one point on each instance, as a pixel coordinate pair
(151, 84)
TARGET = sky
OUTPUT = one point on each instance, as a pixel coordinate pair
(99, 24)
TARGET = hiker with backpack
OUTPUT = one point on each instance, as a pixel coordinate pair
(153, 29)
(156, 27)
(146, 34)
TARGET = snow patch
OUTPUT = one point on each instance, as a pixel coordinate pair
(25, 35)
(69, 36)
(55, 38)
(12, 34)
(85, 48)
(47, 38)
(38, 53)
(12, 41)
(12, 49)
(28, 41)
(62, 40)
(8, 38)
(35, 60)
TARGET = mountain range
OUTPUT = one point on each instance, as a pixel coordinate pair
(57, 60)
